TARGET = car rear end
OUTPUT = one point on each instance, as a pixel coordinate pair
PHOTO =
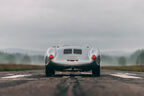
(72, 58)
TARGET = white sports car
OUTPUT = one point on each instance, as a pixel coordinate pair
(72, 58)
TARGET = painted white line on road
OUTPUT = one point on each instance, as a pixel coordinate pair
(126, 75)
(15, 76)
(130, 74)
(9, 74)
(86, 73)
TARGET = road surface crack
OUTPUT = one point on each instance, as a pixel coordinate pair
(69, 87)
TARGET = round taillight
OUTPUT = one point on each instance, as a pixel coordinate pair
(51, 57)
(93, 57)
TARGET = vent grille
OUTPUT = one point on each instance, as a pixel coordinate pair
(77, 51)
(67, 51)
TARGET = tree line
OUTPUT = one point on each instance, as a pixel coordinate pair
(137, 58)
(17, 58)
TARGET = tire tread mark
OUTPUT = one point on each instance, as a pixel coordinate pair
(69, 86)
(77, 90)
(62, 88)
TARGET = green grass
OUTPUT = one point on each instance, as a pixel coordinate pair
(125, 68)
(19, 67)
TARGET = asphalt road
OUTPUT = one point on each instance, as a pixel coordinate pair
(34, 83)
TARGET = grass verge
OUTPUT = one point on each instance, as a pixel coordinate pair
(125, 68)
(19, 67)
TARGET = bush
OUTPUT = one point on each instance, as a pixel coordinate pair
(122, 60)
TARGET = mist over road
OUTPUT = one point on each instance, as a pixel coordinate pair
(34, 83)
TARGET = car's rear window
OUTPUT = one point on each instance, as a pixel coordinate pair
(77, 51)
(67, 51)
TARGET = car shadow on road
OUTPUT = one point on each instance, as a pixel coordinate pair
(74, 75)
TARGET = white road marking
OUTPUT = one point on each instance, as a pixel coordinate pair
(130, 74)
(86, 73)
(15, 76)
(126, 75)
(9, 74)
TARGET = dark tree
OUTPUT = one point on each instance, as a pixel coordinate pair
(140, 59)
(122, 61)
(135, 57)
(26, 60)
(11, 59)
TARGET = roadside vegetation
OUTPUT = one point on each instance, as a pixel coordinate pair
(125, 68)
(19, 61)
(133, 59)
(19, 58)
(19, 67)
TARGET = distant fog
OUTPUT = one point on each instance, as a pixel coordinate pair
(107, 59)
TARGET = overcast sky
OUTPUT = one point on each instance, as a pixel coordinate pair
(34, 24)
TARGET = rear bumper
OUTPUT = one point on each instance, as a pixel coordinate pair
(83, 67)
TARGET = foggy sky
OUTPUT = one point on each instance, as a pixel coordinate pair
(35, 24)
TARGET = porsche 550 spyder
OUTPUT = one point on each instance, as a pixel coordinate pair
(72, 58)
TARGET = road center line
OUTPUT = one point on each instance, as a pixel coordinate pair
(125, 75)
(15, 76)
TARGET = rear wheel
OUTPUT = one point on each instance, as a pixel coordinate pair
(49, 71)
(96, 71)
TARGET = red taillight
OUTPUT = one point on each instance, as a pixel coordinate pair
(51, 57)
(93, 57)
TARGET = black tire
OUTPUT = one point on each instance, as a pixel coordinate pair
(96, 71)
(49, 71)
